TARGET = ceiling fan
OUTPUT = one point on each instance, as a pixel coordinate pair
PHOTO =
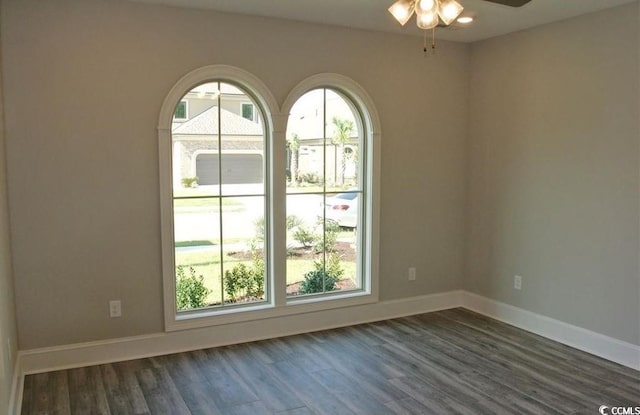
(512, 3)
(432, 13)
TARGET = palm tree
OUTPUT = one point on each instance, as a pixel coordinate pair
(294, 147)
(343, 132)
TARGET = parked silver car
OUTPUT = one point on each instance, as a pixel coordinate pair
(341, 209)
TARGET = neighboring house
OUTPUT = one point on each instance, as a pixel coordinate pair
(306, 121)
(310, 160)
(195, 140)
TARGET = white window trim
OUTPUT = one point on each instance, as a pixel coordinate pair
(275, 121)
(372, 132)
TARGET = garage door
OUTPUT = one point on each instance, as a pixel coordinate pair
(236, 168)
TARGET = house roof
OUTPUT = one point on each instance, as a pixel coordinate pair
(206, 123)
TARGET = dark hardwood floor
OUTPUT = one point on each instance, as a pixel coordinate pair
(448, 362)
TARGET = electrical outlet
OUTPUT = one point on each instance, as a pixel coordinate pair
(412, 274)
(115, 308)
(517, 282)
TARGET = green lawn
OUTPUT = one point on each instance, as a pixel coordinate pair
(207, 264)
(192, 192)
(208, 242)
(316, 189)
(184, 244)
(228, 203)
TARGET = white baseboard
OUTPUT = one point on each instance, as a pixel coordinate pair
(107, 351)
(17, 388)
(114, 350)
(618, 351)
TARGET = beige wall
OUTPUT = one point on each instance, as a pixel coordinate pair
(541, 128)
(8, 335)
(553, 171)
(84, 83)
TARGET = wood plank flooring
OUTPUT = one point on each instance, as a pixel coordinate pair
(448, 362)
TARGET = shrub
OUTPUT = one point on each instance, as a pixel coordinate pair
(322, 277)
(333, 266)
(189, 182)
(310, 178)
(293, 221)
(245, 283)
(258, 225)
(305, 237)
(328, 242)
(190, 291)
(313, 282)
(258, 273)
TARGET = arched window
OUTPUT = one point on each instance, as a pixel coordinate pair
(215, 141)
(248, 233)
(332, 169)
(219, 199)
(326, 194)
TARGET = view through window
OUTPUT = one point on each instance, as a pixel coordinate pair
(218, 241)
(325, 195)
(219, 199)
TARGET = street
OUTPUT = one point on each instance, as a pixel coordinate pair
(203, 223)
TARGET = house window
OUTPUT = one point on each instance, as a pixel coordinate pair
(219, 206)
(249, 112)
(249, 233)
(326, 196)
(181, 111)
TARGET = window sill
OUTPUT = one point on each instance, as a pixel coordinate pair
(209, 318)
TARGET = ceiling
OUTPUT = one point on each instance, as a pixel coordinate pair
(490, 19)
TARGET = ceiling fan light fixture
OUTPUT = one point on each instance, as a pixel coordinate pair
(402, 10)
(449, 10)
(424, 7)
(427, 20)
(427, 14)
(426, 4)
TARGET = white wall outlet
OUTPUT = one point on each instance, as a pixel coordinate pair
(115, 308)
(517, 282)
(412, 274)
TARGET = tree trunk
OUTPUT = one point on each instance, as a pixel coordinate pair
(294, 167)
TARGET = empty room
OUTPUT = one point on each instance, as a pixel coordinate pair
(319, 207)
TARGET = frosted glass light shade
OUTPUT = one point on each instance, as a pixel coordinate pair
(426, 4)
(427, 20)
(449, 10)
(402, 10)
(427, 14)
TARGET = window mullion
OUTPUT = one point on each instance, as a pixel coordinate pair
(220, 216)
(278, 190)
(324, 190)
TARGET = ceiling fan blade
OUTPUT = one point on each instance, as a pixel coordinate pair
(512, 3)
